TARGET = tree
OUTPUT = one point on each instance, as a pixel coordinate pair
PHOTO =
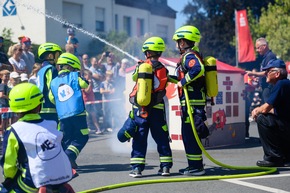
(7, 34)
(215, 20)
(274, 26)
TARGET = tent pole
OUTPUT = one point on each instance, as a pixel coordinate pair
(237, 39)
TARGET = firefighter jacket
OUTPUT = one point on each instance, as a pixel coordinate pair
(44, 78)
(190, 72)
(66, 93)
(33, 155)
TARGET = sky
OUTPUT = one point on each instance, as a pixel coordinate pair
(178, 5)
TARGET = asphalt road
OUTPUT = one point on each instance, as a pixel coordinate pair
(104, 162)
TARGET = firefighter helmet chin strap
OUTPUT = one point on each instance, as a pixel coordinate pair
(51, 59)
(150, 55)
(183, 50)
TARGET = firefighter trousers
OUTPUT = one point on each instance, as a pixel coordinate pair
(192, 150)
(75, 135)
(156, 123)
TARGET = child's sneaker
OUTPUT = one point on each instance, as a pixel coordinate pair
(189, 171)
(165, 171)
(136, 173)
(110, 130)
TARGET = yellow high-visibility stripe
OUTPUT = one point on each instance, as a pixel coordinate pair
(74, 149)
(194, 157)
(48, 110)
(165, 128)
(85, 131)
(193, 102)
(137, 160)
(165, 159)
(159, 106)
(24, 187)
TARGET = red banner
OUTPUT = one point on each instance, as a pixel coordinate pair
(246, 52)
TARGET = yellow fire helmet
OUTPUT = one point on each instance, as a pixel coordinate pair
(154, 44)
(69, 59)
(188, 32)
(48, 47)
(24, 97)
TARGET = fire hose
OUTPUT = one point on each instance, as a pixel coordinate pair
(261, 170)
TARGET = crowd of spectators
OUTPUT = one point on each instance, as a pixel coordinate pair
(104, 98)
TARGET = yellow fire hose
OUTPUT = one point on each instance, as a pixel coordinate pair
(262, 170)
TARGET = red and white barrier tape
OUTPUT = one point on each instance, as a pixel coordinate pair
(101, 101)
(7, 109)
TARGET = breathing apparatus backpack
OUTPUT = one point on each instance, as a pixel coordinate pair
(144, 84)
(149, 91)
(211, 80)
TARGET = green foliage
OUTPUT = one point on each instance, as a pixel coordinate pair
(116, 39)
(7, 34)
(96, 47)
(274, 26)
(133, 46)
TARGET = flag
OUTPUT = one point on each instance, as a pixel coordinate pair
(245, 46)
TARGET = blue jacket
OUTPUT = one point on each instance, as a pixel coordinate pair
(67, 95)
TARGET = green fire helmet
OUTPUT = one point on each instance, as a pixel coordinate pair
(24, 97)
(188, 32)
(154, 44)
(69, 59)
(48, 47)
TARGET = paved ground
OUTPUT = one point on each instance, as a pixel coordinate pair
(104, 162)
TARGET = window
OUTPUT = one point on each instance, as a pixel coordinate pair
(235, 110)
(235, 97)
(228, 111)
(127, 25)
(72, 13)
(140, 27)
(162, 31)
(228, 97)
(100, 19)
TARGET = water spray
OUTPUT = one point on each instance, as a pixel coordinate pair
(66, 23)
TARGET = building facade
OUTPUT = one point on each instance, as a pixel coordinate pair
(43, 20)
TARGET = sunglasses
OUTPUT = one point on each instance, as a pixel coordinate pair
(257, 48)
(27, 43)
(270, 71)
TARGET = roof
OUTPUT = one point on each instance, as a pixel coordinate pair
(221, 66)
